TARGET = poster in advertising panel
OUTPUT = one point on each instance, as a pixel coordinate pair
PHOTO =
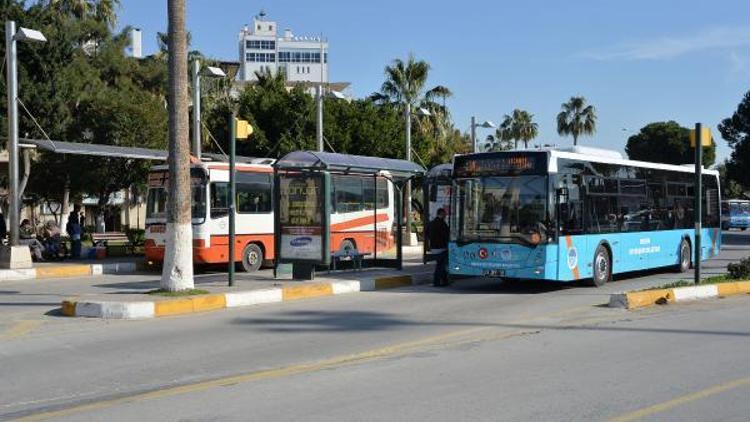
(301, 217)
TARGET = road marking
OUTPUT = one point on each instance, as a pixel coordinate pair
(679, 401)
(356, 358)
(20, 329)
(442, 340)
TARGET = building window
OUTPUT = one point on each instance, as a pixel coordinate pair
(270, 28)
(261, 44)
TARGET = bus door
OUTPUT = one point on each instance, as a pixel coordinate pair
(572, 245)
(436, 195)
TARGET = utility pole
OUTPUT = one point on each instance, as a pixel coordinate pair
(698, 208)
(407, 118)
(195, 70)
(15, 255)
(473, 134)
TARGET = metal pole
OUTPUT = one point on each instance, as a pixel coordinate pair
(473, 134)
(407, 207)
(196, 108)
(698, 208)
(319, 126)
(232, 206)
(12, 88)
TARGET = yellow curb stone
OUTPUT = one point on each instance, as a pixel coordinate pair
(69, 308)
(173, 307)
(209, 302)
(649, 298)
(306, 291)
(63, 271)
(392, 282)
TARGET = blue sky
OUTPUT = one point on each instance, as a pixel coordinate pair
(636, 61)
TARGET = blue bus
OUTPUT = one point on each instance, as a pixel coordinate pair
(735, 214)
(578, 214)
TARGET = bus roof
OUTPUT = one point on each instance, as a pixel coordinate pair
(625, 162)
(215, 165)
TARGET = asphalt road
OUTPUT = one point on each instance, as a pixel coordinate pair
(475, 351)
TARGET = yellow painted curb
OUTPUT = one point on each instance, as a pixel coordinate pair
(209, 302)
(63, 271)
(69, 308)
(173, 307)
(392, 282)
(302, 292)
(649, 298)
(736, 288)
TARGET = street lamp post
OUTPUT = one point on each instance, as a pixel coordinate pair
(211, 72)
(474, 125)
(319, 94)
(15, 256)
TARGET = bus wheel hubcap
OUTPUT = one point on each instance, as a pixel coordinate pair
(601, 266)
(252, 258)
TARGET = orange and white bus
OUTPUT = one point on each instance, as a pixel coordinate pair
(362, 213)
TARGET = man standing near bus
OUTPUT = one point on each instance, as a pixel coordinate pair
(437, 234)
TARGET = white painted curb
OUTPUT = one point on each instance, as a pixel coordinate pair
(683, 294)
(253, 297)
(96, 269)
(115, 310)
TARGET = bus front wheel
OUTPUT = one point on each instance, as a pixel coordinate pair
(252, 258)
(685, 257)
(602, 267)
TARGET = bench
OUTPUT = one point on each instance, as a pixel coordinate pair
(348, 255)
(103, 239)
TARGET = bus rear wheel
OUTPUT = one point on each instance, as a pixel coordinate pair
(602, 267)
(685, 256)
(252, 258)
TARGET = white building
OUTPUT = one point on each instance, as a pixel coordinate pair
(301, 59)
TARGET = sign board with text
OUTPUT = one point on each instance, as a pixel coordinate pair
(303, 218)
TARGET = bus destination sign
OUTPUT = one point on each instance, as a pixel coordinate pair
(500, 164)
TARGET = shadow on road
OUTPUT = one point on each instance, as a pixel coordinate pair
(357, 321)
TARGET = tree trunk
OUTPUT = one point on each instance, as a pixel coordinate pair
(575, 139)
(177, 272)
(65, 206)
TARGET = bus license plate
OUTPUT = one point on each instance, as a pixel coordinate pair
(495, 273)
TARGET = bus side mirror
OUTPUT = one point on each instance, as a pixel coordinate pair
(562, 195)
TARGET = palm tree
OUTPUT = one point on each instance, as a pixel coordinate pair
(405, 86)
(518, 126)
(525, 127)
(177, 273)
(505, 133)
(576, 119)
(101, 10)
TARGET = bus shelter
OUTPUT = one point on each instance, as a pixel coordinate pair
(436, 191)
(337, 210)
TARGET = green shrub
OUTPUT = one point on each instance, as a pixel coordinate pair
(740, 270)
(136, 237)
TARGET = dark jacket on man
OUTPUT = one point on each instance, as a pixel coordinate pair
(438, 233)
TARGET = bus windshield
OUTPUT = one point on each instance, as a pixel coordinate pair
(739, 208)
(500, 209)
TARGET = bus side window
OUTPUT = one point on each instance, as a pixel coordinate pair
(219, 199)
(571, 212)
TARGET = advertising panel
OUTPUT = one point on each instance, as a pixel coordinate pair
(302, 218)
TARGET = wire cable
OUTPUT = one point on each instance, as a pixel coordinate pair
(54, 147)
